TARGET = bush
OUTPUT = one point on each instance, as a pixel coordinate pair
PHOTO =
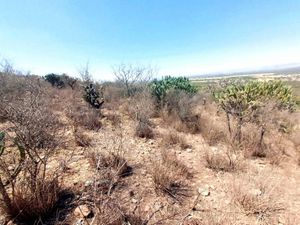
(144, 129)
(141, 106)
(30, 205)
(55, 80)
(170, 177)
(30, 192)
(222, 162)
(173, 138)
(84, 116)
(179, 107)
(160, 87)
(246, 102)
(82, 139)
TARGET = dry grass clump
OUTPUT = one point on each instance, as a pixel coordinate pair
(141, 105)
(30, 205)
(170, 177)
(84, 116)
(225, 162)
(213, 131)
(110, 167)
(144, 129)
(112, 92)
(81, 139)
(173, 138)
(178, 109)
(141, 108)
(211, 218)
(114, 118)
(109, 212)
(258, 197)
(250, 142)
(29, 191)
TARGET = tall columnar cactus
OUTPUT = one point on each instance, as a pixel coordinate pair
(241, 100)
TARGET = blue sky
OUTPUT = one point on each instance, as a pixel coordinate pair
(178, 37)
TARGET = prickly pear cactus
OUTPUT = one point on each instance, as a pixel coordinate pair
(92, 96)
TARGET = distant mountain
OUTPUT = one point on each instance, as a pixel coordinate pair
(281, 69)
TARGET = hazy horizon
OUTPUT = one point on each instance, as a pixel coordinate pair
(178, 37)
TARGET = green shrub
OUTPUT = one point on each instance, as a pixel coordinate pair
(55, 80)
(160, 87)
(246, 101)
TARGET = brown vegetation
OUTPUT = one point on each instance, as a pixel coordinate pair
(51, 141)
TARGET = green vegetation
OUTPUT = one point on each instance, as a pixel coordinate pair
(160, 87)
(91, 96)
(55, 80)
(244, 101)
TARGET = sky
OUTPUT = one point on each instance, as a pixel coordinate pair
(179, 37)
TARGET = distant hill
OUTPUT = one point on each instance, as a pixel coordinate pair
(276, 70)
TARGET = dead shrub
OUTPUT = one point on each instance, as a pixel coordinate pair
(81, 139)
(170, 177)
(257, 197)
(28, 190)
(112, 92)
(114, 118)
(84, 116)
(212, 131)
(144, 130)
(173, 138)
(110, 167)
(109, 212)
(178, 110)
(250, 142)
(29, 206)
(142, 106)
(225, 162)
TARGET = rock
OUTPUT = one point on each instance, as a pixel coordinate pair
(189, 150)
(82, 211)
(204, 191)
(257, 192)
(80, 222)
(88, 183)
(134, 200)
(10, 168)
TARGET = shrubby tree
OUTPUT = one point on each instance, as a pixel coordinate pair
(70, 81)
(161, 87)
(55, 80)
(244, 102)
(131, 76)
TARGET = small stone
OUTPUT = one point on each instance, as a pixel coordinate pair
(88, 183)
(257, 192)
(80, 222)
(134, 200)
(204, 191)
(10, 168)
(82, 211)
